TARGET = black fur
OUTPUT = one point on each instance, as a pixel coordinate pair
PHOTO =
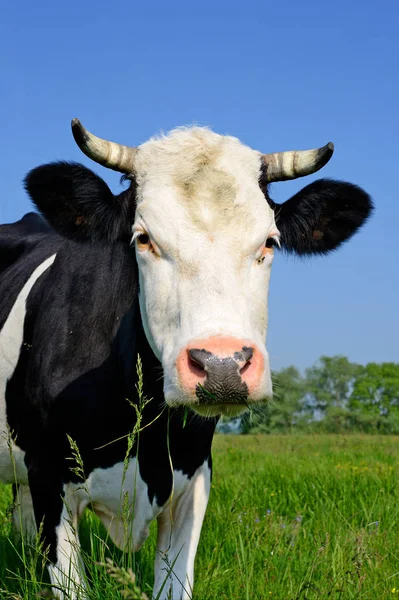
(321, 216)
(79, 204)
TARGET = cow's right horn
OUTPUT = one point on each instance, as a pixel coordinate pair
(281, 166)
(109, 154)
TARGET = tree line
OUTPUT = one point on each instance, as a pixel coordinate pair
(334, 395)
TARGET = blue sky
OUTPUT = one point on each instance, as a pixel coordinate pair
(279, 76)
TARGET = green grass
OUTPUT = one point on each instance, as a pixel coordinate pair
(289, 517)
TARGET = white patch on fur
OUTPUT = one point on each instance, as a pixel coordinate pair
(68, 573)
(104, 490)
(110, 491)
(199, 199)
(12, 468)
(104, 486)
(179, 528)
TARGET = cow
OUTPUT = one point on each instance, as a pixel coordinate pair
(173, 271)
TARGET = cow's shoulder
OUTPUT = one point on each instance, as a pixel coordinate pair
(76, 366)
(81, 326)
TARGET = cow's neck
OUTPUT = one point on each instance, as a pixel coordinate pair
(79, 359)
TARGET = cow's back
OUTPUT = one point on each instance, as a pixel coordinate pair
(24, 245)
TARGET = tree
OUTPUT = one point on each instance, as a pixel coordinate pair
(335, 395)
(376, 391)
(329, 384)
(287, 402)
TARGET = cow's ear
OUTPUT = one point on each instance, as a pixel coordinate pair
(77, 203)
(321, 216)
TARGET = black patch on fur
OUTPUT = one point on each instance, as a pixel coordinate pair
(77, 367)
(79, 204)
(46, 489)
(321, 216)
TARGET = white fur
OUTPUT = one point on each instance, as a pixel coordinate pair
(12, 466)
(199, 200)
(105, 490)
(179, 525)
(68, 573)
(179, 528)
(108, 490)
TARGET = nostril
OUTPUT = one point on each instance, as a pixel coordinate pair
(245, 368)
(195, 365)
(247, 353)
(244, 357)
(198, 358)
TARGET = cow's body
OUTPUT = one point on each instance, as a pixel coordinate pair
(58, 364)
(175, 269)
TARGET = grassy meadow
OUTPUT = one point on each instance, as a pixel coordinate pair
(290, 517)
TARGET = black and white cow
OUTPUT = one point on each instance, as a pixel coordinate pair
(175, 269)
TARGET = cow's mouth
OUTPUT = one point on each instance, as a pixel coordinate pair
(214, 409)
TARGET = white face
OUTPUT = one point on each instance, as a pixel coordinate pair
(200, 231)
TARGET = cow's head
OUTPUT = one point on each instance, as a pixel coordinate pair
(205, 231)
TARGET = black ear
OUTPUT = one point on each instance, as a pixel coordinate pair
(79, 204)
(322, 216)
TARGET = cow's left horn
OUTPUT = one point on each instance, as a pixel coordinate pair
(281, 166)
(109, 154)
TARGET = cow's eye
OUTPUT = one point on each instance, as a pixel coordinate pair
(272, 241)
(143, 241)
